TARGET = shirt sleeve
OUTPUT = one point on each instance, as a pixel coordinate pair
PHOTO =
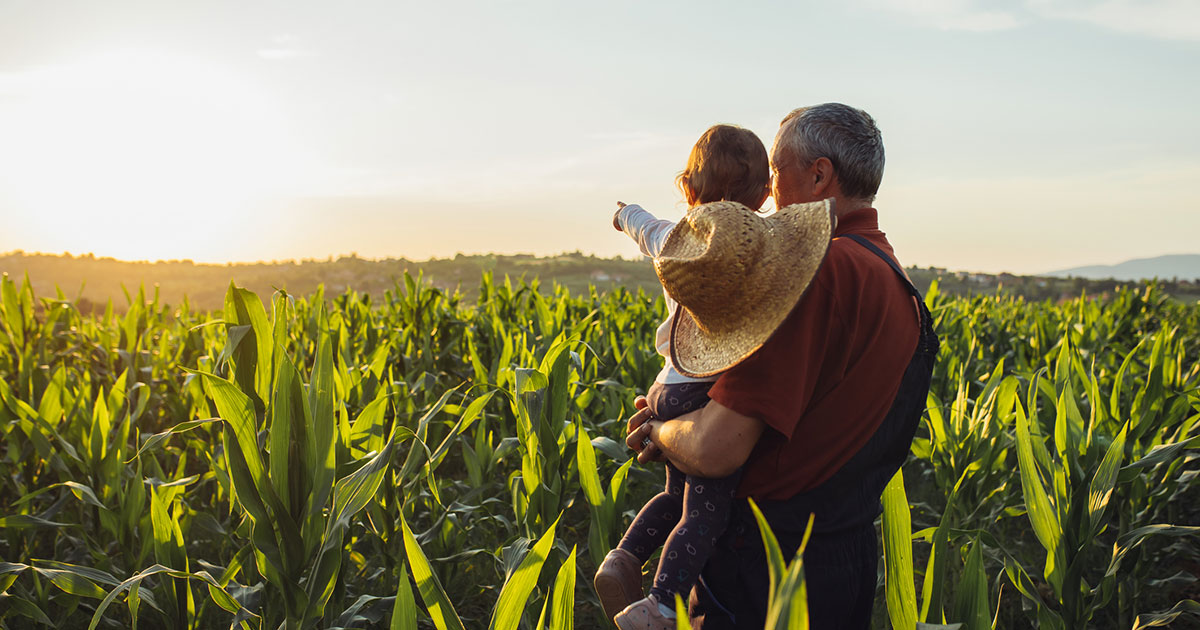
(779, 382)
(648, 231)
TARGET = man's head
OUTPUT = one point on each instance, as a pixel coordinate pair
(828, 150)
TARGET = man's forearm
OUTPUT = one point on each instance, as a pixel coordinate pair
(712, 441)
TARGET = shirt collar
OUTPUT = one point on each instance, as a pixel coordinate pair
(862, 220)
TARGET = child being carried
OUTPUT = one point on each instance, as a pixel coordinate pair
(737, 275)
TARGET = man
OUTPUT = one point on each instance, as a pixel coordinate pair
(822, 415)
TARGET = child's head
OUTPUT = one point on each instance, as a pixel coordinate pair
(728, 163)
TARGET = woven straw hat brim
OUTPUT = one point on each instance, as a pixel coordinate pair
(799, 240)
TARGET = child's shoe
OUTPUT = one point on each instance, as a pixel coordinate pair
(644, 614)
(618, 581)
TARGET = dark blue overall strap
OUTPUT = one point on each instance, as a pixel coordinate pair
(928, 340)
(888, 259)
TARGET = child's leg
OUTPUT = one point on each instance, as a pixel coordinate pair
(661, 513)
(657, 518)
(706, 507)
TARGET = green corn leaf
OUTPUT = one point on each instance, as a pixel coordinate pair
(157, 439)
(26, 608)
(1104, 480)
(787, 600)
(237, 411)
(321, 458)
(514, 595)
(81, 492)
(71, 581)
(285, 440)
(368, 431)
(254, 489)
(242, 307)
(418, 453)
(562, 614)
(1158, 455)
(589, 476)
(89, 573)
(225, 600)
(26, 521)
(897, 555)
(350, 496)
(616, 487)
(775, 564)
(1168, 617)
(168, 539)
(1042, 515)
(404, 610)
(436, 602)
(465, 421)
(541, 622)
(133, 602)
(935, 569)
(971, 599)
(599, 507)
(14, 320)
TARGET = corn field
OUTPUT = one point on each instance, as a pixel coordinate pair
(419, 461)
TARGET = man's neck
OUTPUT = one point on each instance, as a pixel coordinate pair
(843, 206)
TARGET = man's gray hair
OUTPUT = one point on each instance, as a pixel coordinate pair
(846, 136)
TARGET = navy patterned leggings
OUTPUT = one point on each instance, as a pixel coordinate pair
(688, 516)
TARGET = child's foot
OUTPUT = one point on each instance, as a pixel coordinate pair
(618, 581)
(644, 614)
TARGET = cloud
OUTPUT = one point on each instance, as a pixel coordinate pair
(952, 15)
(284, 47)
(284, 54)
(1160, 19)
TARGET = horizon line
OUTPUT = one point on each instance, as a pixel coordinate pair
(354, 256)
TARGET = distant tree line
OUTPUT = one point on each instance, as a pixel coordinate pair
(93, 281)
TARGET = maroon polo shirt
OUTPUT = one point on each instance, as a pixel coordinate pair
(826, 378)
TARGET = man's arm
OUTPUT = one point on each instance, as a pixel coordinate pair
(712, 441)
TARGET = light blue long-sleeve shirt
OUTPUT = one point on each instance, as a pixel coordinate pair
(650, 233)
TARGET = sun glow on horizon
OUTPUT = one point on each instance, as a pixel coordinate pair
(132, 154)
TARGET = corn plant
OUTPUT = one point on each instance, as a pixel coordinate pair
(347, 460)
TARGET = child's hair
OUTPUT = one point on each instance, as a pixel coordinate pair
(728, 163)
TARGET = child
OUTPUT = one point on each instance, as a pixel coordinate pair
(727, 163)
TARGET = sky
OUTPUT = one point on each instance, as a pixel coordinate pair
(1021, 135)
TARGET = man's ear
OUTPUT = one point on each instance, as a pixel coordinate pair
(824, 177)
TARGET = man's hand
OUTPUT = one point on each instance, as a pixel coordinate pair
(638, 432)
(712, 441)
(616, 223)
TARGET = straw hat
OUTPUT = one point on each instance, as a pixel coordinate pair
(737, 275)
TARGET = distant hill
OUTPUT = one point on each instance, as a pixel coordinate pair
(1180, 266)
(95, 281)
(92, 282)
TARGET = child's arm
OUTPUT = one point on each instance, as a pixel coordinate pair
(648, 231)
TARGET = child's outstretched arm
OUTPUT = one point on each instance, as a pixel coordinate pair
(648, 231)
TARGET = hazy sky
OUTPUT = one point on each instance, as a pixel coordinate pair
(1024, 135)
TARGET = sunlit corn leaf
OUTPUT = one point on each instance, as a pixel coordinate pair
(897, 555)
(437, 604)
(220, 596)
(562, 615)
(514, 595)
(404, 610)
